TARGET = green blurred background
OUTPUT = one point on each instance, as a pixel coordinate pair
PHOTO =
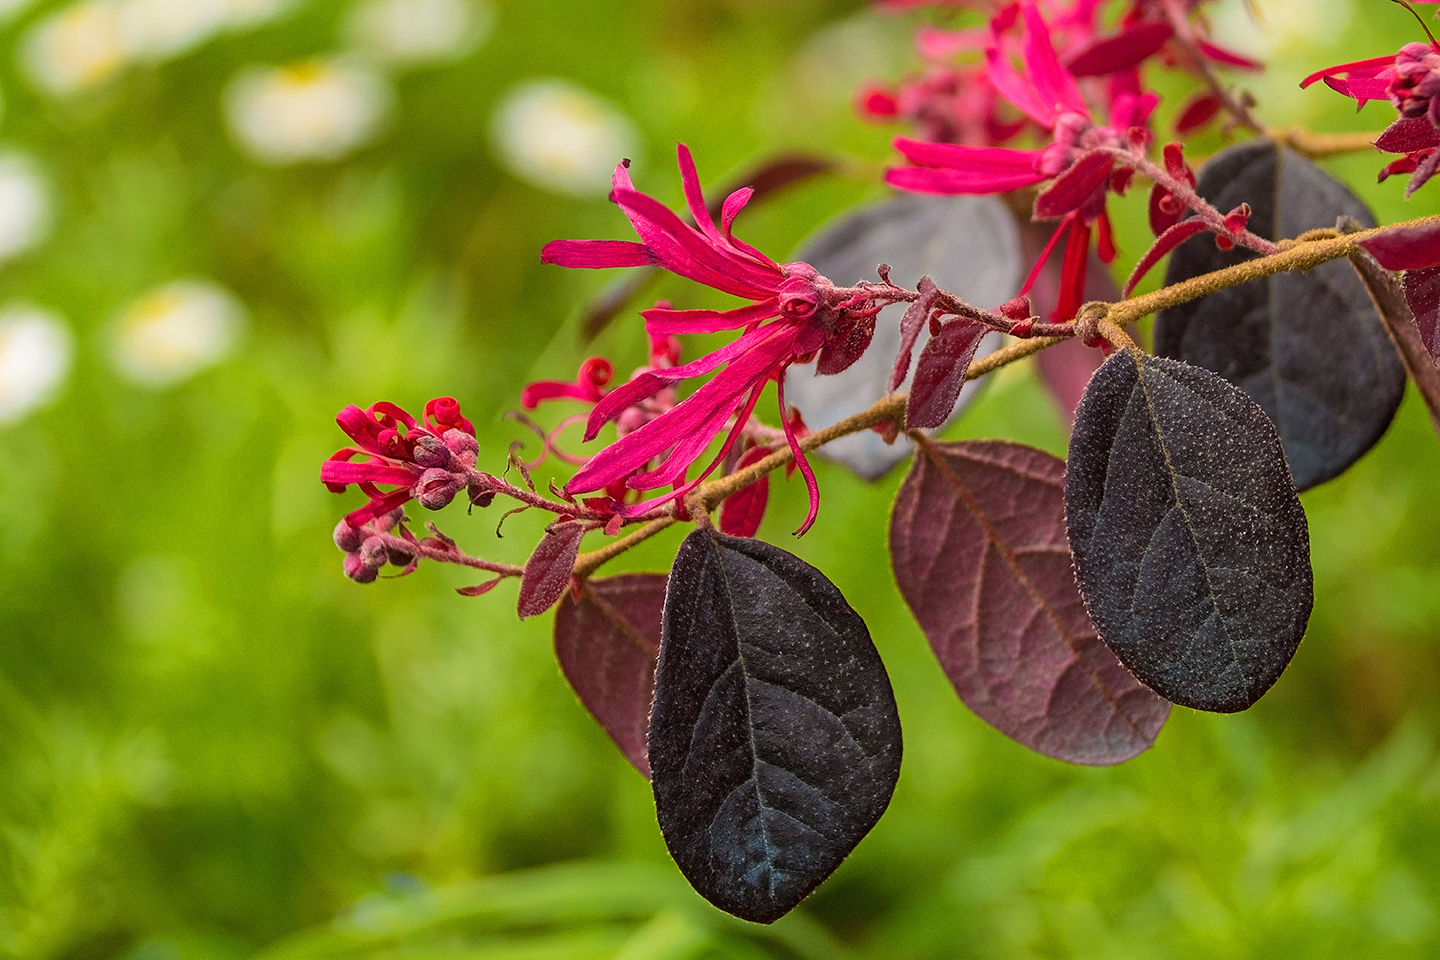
(212, 745)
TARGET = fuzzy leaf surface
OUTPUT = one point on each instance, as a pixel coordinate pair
(606, 643)
(1395, 302)
(940, 373)
(1307, 347)
(978, 544)
(1191, 549)
(968, 245)
(774, 738)
(547, 572)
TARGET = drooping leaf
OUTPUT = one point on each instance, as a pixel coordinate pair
(1307, 347)
(1395, 304)
(1422, 296)
(606, 643)
(968, 245)
(742, 511)
(547, 572)
(1191, 549)
(774, 739)
(977, 540)
(1406, 247)
(940, 373)
(1066, 367)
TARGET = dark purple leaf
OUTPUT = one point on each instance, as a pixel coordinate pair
(1191, 548)
(1307, 347)
(606, 643)
(940, 373)
(1395, 304)
(742, 511)
(774, 739)
(840, 354)
(1422, 296)
(547, 572)
(1075, 186)
(967, 244)
(912, 324)
(1406, 248)
(977, 540)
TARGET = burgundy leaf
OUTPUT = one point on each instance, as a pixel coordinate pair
(1073, 187)
(742, 511)
(940, 373)
(1196, 112)
(1122, 51)
(1163, 244)
(910, 327)
(839, 354)
(480, 589)
(1422, 295)
(606, 643)
(1066, 368)
(1407, 135)
(547, 572)
(978, 543)
(1406, 248)
(1390, 300)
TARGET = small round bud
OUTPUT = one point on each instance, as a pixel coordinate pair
(436, 488)
(462, 444)
(348, 538)
(431, 451)
(390, 520)
(398, 556)
(481, 490)
(373, 554)
(356, 569)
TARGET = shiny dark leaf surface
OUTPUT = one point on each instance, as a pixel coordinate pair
(774, 738)
(1307, 347)
(1191, 549)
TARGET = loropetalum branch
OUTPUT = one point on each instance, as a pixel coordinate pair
(1238, 107)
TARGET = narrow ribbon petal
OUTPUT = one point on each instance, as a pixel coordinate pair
(597, 254)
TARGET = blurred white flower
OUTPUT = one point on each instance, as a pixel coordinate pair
(561, 137)
(35, 351)
(317, 110)
(161, 29)
(75, 48)
(406, 32)
(176, 331)
(24, 205)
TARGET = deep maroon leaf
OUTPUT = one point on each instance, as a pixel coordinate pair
(977, 540)
(742, 511)
(1406, 248)
(1125, 49)
(1167, 241)
(1075, 186)
(606, 643)
(840, 354)
(1395, 308)
(774, 739)
(1408, 134)
(1422, 296)
(547, 572)
(1191, 548)
(940, 373)
(1199, 110)
(967, 244)
(1308, 347)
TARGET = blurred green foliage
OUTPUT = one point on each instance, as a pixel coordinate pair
(215, 746)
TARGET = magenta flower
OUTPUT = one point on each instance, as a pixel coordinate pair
(1410, 80)
(793, 312)
(1081, 159)
(428, 460)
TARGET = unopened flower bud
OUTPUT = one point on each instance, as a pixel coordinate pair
(356, 569)
(1018, 308)
(464, 446)
(372, 553)
(482, 490)
(437, 487)
(398, 556)
(390, 520)
(348, 538)
(431, 451)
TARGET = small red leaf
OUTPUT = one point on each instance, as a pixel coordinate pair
(1406, 248)
(940, 373)
(1163, 244)
(480, 589)
(606, 643)
(1197, 111)
(1422, 295)
(547, 572)
(1073, 187)
(742, 511)
(910, 326)
(1390, 299)
(1407, 135)
(1122, 51)
(840, 352)
(978, 543)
